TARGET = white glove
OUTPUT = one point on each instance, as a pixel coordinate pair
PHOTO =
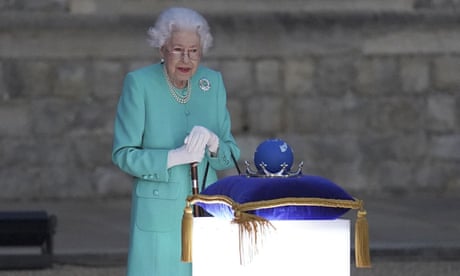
(199, 138)
(181, 156)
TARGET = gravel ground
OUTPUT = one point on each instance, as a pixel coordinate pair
(400, 268)
(381, 268)
(68, 270)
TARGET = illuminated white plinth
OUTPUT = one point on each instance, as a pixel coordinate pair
(296, 247)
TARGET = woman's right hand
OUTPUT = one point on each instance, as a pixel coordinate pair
(181, 156)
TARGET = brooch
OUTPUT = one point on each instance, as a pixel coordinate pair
(205, 85)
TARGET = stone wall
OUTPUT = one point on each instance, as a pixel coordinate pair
(365, 92)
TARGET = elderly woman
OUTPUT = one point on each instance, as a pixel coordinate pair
(170, 114)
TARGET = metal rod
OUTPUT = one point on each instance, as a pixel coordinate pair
(195, 191)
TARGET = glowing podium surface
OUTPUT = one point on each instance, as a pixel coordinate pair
(296, 247)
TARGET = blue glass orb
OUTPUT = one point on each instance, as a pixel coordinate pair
(274, 153)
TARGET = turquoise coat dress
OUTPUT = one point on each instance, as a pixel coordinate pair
(150, 122)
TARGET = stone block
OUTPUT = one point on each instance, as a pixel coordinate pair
(29, 78)
(350, 177)
(437, 177)
(52, 117)
(109, 181)
(438, 5)
(10, 81)
(72, 80)
(4, 96)
(299, 77)
(20, 182)
(331, 148)
(305, 115)
(335, 75)
(377, 76)
(212, 63)
(238, 77)
(268, 76)
(139, 63)
(36, 77)
(95, 41)
(93, 117)
(442, 113)
(378, 146)
(15, 120)
(107, 70)
(35, 152)
(397, 114)
(446, 73)
(415, 75)
(433, 39)
(237, 115)
(63, 153)
(445, 147)
(91, 151)
(35, 5)
(391, 177)
(265, 114)
(83, 6)
(327, 114)
(254, 6)
(453, 182)
(65, 181)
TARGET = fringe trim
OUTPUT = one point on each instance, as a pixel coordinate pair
(252, 229)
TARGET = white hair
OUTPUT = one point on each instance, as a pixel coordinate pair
(179, 19)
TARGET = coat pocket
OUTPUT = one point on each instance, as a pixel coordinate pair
(158, 190)
(158, 207)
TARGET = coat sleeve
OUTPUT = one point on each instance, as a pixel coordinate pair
(227, 143)
(128, 152)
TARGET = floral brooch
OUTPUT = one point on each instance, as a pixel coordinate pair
(205, 85)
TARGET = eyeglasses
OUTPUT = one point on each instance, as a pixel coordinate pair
(178, 53)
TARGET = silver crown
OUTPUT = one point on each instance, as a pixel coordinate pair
(281, 173)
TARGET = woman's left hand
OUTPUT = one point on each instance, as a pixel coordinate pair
(199, 138)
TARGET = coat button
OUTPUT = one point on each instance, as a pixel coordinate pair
(156, 192)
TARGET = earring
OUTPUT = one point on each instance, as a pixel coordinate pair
(162, 60)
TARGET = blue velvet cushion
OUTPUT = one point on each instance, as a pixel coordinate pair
(243, 189)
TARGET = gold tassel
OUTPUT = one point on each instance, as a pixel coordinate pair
(187, 232)
(362, 254)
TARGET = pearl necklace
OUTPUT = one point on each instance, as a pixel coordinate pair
(177, 94)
